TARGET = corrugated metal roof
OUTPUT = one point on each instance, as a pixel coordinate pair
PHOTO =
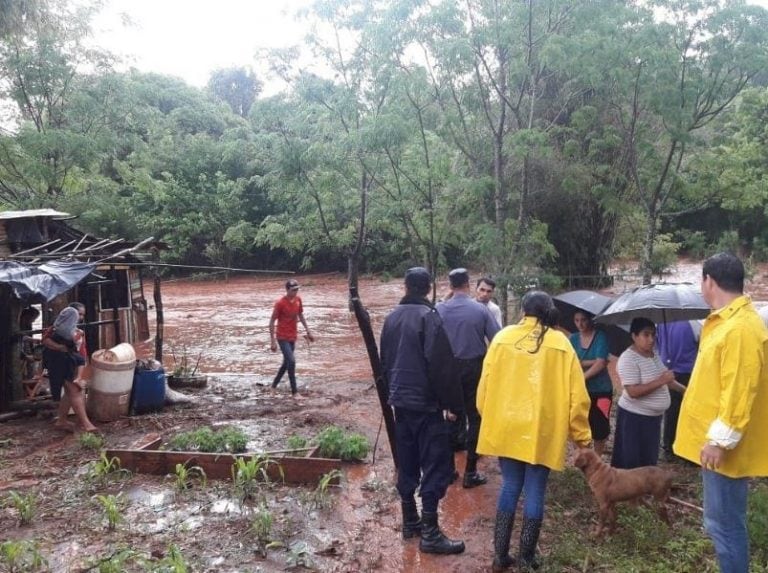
(33, 213)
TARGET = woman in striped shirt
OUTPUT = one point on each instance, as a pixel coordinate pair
(645, 398)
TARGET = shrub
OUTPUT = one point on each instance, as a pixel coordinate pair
(296, 442)
(694, 243)
(25, 505)
(21, 556)
(728, 242)
(333, 442)
(664, 253)
(231, 440)
(90, 441)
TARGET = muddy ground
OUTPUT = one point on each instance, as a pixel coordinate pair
(224, 321)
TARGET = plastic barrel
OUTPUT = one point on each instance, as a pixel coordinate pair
(148, 390)
(110, 388)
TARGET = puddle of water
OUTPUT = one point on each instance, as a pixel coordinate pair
(155, 500)
(226, 506)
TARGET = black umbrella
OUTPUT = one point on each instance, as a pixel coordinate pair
(569, 303)
(659, 303)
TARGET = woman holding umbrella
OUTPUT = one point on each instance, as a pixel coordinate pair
(591, 347)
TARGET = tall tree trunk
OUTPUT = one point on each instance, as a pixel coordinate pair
(650, 237)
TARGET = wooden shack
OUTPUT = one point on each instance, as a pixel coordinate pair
(47, 263)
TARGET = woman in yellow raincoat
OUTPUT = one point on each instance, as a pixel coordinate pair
(532, 398)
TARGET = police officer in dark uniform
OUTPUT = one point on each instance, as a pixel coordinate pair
(423, 390)
(468, 324)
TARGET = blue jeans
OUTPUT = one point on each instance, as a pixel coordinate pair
(289, 364)
(725, 519)
(521, 477)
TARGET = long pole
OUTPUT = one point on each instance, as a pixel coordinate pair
(382, 389)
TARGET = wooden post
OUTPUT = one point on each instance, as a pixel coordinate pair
(157, 295)
(382, 388)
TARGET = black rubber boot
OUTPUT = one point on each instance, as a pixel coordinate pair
(473, 479)
(529, 537)
(502, 561)
(433, 540)
(411, 519)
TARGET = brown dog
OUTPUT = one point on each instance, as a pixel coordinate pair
(610, 485)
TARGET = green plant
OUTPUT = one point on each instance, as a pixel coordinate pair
(104, 468)
(299, 555)
(231, 440)
(355, 447)
(90, 441)
(330, 441)
(116, 563)
(21, 556)
(333, 442)
(25, 505)
(261, 526)
(296, 442)
(185, 475)
(173, 562)
(321, 498)
(113, 509)
(183, 366)
(248, 475)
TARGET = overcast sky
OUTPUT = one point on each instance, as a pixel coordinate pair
(191, 38)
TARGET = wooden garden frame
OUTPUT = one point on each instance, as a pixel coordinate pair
(144, 458)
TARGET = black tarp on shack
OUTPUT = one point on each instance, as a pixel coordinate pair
(43, 283)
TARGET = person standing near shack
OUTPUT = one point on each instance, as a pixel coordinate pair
(65, 370)
(469, 325)
(287, 312)
(423, 391)
(724, 415)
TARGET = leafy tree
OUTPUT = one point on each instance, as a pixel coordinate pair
(237, 87)
(59, 117)
(687, 62)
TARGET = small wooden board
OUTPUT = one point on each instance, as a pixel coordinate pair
(306, 470)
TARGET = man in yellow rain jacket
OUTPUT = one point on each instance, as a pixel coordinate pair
(531, 398)
(723, 421)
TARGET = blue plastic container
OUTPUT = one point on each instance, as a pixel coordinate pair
(148, 391)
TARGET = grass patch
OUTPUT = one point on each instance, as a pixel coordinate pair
(642, 543)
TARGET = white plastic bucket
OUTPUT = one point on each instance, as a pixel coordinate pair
(109, 391)
(123, 352)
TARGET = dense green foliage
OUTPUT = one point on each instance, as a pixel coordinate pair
(527, 138)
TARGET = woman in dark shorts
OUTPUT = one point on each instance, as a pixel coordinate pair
(64, 364)
(591, 347)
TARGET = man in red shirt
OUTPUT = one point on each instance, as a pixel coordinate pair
(287, 312)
